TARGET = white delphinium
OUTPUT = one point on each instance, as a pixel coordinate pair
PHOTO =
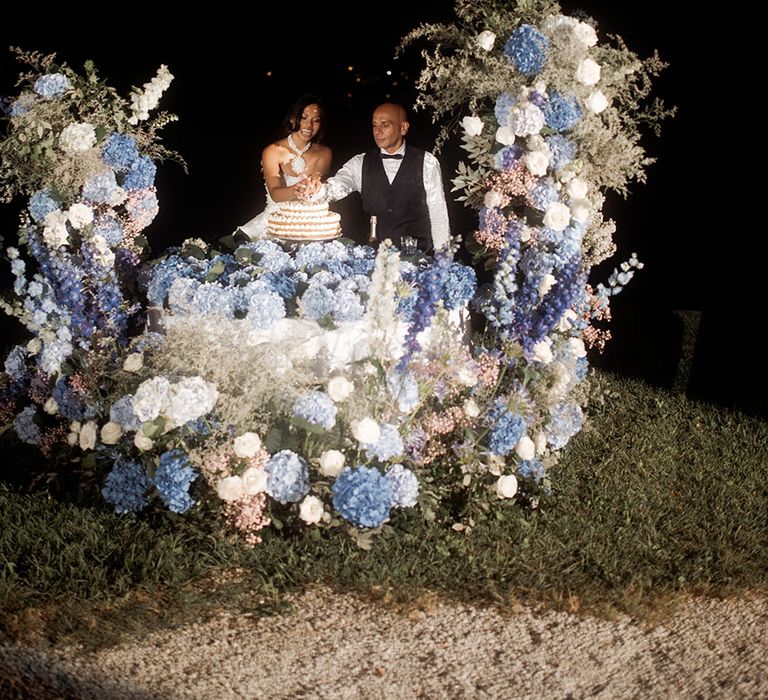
(588, 72)
(143, 101)
(381, 317)
(80, 215)
(77, 137)
(485, 40)
(472, 125)
(55, 232)
(189, 399)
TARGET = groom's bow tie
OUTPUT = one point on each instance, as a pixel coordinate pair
(396, 156)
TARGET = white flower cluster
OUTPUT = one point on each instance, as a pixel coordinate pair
(143, 101)
(77, 137)
(178, 403)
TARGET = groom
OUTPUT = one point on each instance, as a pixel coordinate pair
(401, 185)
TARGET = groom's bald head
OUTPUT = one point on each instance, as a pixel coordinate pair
(390, 125)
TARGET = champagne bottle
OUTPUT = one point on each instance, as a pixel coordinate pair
(372, 235)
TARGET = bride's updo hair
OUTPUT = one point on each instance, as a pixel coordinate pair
(293, 118)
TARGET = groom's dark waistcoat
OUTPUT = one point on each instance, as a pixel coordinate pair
(400, 208)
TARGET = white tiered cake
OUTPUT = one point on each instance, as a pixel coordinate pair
(304, 221)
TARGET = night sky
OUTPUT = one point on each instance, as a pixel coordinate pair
(237, 73)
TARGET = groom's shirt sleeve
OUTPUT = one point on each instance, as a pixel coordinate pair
(438, 211)
(347, 180)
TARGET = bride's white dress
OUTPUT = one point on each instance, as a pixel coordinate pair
(256, 228)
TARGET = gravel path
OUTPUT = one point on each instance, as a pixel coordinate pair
(339, 646)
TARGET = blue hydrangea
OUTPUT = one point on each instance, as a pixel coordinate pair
(173, 478)
(288, 477)
(506, 158)
(281, 283)
(507, 429)
(563, 150)
(310, 255)
(22, 105)
(264, 309)
(562, 112)
(527, 49)
(582, 365)
(100, 188)
(316, 408)
(317, 301)
(361, 259)
(109, 228)
(212, 299)
(460, 286)
(120, 152)
(362, 496)
(70, 402)
(52, 85)
(25, 426)
(126, 486)
(122, 413)
(141, 175)
(403, 387)
(389, 444)
(543, 193)
(164, 274)
(405, 486)
(148, 340)
(346, 306)
(565, 421)
(16, 362)
(531, 469)
(503, 107)
(41, 204)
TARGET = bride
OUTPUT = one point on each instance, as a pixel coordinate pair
(293, 162)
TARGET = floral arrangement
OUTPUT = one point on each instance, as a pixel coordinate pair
(329, 384)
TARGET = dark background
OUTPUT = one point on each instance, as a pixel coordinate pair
(236, 72)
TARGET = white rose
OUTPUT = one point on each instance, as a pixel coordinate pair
(566, 320)
(111, 432)
(537, 162)
(542, 351)
(366, 430)
(311, 510)
(540, 441)
(473, 126)
(254, 481)
(580, 210)
(585, 33)
(55, 231)
(588, 72)
(485, 40)
(134, 362)
(331, 463)
(88, 435)
(12, 253)
(230, 488)
(577, 188)
(576, 347)
(471, 409)
(526, 233)
(75, 426)
(505, 135)
(506, 486)
(547, 283)
(80, 215)
(34, 346)
(525, 448)
(493, 199)
(596, 102)
(339, 389)
(247, 444)
(77, 138)
(142, 442)
(557, 216)
(50, 406)
(72, 439)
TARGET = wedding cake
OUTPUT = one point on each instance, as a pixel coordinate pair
(304, 220)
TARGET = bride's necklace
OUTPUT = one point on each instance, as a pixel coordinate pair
(298, 164)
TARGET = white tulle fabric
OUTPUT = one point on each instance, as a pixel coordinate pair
(256, 228)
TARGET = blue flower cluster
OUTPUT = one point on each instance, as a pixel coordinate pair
(288, 477)
(403, 387)
(460, 286)
(503, 108)
(362, 496)
(70, 402)
(506, 158)
(100, 188)
(173, 478)
(405, 486)
(25, 426)
(527, 49)
(126, 486)
(562, 112)
(265, 308)
(52, 85)
(141, 174)
(507, 429)
(122, 413)
(531, 469)
(565, 421)
(108, 228)
(16, 362)
(543, 193)
(316, 408)
(317, 301)
(563, 150)
(41, 204)
(389, 444)
(120, 152)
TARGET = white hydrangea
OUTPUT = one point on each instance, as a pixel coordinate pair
(189, 399)
(485, 40)
(557, 217)
(588, 72)
(151, 398)
(526, 119)
(473, 126)
(55, 232)
(77, 137)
